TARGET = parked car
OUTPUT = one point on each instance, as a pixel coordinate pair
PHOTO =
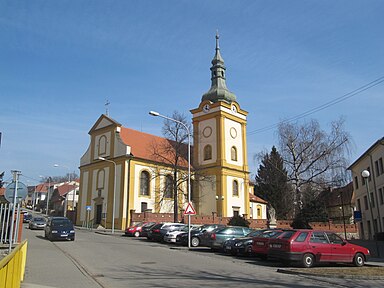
(157, 232)
(59, 228)
(242, 245)
(37, 223)
(219, 236)
(136, 229)
(27, 217)
(260, 243)
(145, 229)
(309, 247)
(170, 236)
(197, 234)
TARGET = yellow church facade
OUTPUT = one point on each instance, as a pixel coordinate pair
(120, 174)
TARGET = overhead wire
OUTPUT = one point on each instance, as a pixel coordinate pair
(323, 106)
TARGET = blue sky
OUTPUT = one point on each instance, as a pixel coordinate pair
(61, 60)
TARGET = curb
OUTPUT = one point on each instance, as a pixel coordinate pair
(360, 277)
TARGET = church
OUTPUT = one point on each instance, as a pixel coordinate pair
(119, 172)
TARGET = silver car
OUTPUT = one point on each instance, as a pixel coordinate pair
(37, 223)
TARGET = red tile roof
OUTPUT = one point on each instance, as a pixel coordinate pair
(254, 198)
(150, 147)
(65, 189)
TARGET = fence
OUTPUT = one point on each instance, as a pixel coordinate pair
(6, 210)
(12, 266)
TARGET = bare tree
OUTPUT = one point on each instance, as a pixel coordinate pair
(173, 154)
(312, 156)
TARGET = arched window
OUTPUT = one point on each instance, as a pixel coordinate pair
(208, 152)
(235, 188)
(168, 189)
(100, 179)
(233, 153)
(144, 183)
(259, 210)
(102, 145)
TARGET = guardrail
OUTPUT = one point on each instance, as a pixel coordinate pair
(12, 266)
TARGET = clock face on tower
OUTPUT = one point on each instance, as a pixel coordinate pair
(234, 109)
(206, 108)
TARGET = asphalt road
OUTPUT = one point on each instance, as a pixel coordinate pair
(97, 260)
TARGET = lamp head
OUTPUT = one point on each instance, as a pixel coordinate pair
(154, 113)
(101, 158)
(365, 174)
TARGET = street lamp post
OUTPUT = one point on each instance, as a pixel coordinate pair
(156, 114)
(365, 174)
(114, 193)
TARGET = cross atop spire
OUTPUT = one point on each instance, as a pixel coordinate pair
(218, 90)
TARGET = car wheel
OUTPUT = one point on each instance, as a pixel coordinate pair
(195, 242)
(308, 260)
(136, 234)
(359, 259)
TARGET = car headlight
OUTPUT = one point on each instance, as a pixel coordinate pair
(54, 231)
(240, 244)
(72, 231)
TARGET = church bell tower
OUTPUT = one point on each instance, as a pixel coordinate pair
(220, 149)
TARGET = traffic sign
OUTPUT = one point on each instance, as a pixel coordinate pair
(22, 192)
(190, 210)
(88, 208)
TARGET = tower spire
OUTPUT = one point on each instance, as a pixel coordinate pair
(218, 90)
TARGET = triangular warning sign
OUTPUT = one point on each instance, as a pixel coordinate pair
(190, 210)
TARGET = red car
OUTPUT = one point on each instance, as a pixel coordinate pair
(260, 243)
(135, 230)
(315, 246)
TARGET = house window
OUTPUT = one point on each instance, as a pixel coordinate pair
(372, 200)
(144, 183)
(365, 202)
(356, 182)
(236, 212)
(379, 167)
(233, 153)
(168, 189)
(381, 191)
(358, 205)
(208, 152)
(144, 206)
(235, 188)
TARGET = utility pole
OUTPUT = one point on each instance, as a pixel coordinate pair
(16, 180)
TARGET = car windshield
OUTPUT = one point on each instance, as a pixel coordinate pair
(61, 222)
(254, 233)
(39, 219)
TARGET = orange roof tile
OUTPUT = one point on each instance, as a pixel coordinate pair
(150, 147)
(254, 198)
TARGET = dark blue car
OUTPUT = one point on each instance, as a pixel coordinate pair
(58, 228)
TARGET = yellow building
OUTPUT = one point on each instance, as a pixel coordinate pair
(120, 170)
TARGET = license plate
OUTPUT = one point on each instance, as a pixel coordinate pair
(64, 235)
(228, 247)
(260, 243)
(276, 245)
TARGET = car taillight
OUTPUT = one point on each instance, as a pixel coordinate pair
(213, 236)
(156, 230)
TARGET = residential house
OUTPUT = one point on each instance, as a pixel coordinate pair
(368, 186)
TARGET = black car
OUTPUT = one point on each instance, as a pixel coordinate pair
(242, 245)
(157, 232)
(145, 229)
(27, 217)
(197, 234)
(59, 228)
